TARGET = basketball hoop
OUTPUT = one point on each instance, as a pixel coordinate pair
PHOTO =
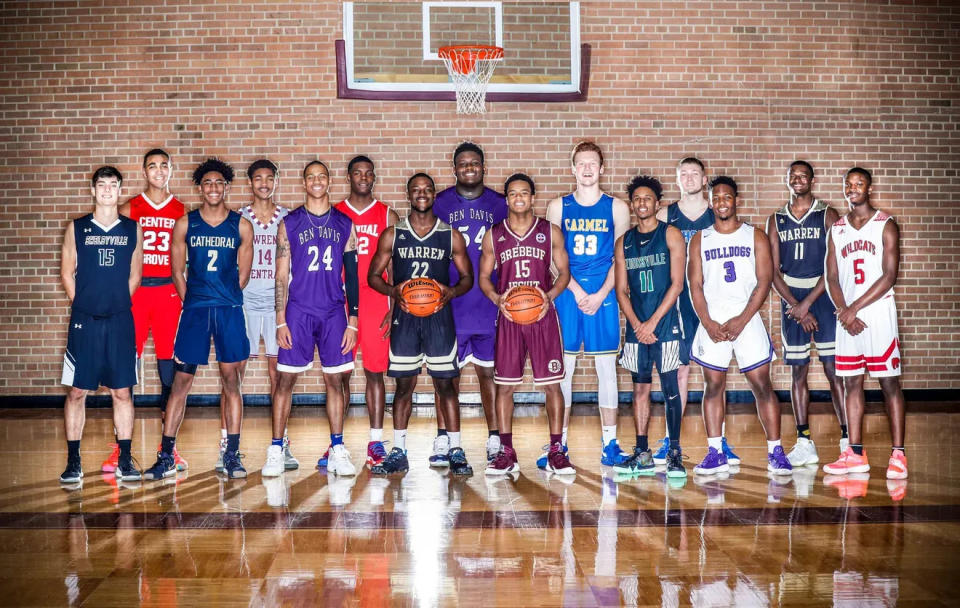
(470, 68)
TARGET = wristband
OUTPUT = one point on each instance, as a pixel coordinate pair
(281, 325)
(351, 327)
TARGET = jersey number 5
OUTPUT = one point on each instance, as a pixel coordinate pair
(859, 277)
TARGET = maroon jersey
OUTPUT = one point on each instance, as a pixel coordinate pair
(523, 260)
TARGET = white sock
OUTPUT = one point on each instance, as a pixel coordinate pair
(566, 385)
(376, 434)
(400, 439)
(223, 433)
(771, 445)
(607, 394)
(454, 439)
(285, 432)
(714, 442)
(609, 433)
(723, 428)
(563, 437)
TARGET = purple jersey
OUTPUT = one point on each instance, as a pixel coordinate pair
(317, 243)
(473, 312)
(523, 260)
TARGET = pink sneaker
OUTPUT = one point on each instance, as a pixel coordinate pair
(897, 467)
(110, 464)
(376, 453)
(849, 462)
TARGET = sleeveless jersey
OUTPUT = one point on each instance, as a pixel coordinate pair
(588, 235)
(647, 259)
(523, 260)
(685, 225)
(473, 311)
(213, 278)
(104, 255)
(859, 255)
(258, 294)
(416, 257)
(369, 224)
(156, 221)
(729, 270)
(317, 243)
(803, 244)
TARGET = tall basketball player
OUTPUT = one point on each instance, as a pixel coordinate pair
(316, 278)
(211, 256)
(863, 261)
(421, 245)
(729, 271)
(798, 245)
(100, 265)
(370, 218)
(649, 264)
(522, 249)
(472, 208)
(591, 221)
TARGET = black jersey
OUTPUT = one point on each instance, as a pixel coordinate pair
(104, 255)
(416, 257)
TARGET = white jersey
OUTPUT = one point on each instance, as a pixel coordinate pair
(859, 255)
(258, 294)
(729, 270)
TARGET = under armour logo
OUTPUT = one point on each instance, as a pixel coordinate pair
(78, 326)
(88, 229)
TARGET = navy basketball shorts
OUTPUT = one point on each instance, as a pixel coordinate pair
(599, 333)
(476, 348)
(796, 340)
(101, 351)
(689, 320)
(225, 324)
(639, 359)
(540, 340)
(418, 340)
(320, 331)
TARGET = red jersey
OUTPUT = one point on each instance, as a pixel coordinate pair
(369, 224)
(156, 221)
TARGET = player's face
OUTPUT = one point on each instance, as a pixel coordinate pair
(644, 203)
(361, 178)
(856, 189)
(263, 183)
(421, 195)
(519, 197)
(799, 180)
(316, 181)
(723, 201)
(157, 171)
(106, 191)
(690, 178)
(587, 168)
(468, 167)
(213, 188)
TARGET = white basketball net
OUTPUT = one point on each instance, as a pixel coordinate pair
(470, 84)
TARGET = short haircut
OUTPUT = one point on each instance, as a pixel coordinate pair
(802, 163)
(358, 159)
(106, 171)
(263, 163)
(692, 160)
(645, 181)
(519, 177)
(213, 164)
(415, 176)
(316, 162)
(586, 146)
(154, 152)
(725, 180)
(866, 174)
(467, 146)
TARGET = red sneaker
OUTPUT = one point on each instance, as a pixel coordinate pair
(849, 462)
(505, 462)
(110, 464)
(180, 462)
(558, 462)
(376, 453)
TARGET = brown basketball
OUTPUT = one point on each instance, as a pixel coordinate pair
(422, 296)
(524, 303)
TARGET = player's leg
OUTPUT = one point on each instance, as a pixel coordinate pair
(74, 418)
(768, 407)
(639, 361)
(173, 417)
(439, 344)
(281, 404)
(571, 325)
(123, 415)
(376, 396)
(339, 458)
(601, 338)
(80, 374)
(233, 349)
(165, 309)
(406, 357)
(451, 409)
(441, 443)
(510, 354)
(836, 397)
(715, 385)
(505, 462)
(373, 309)
(673, 412)
(488, 402)
(896, 413)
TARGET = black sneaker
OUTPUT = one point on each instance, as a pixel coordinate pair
(395, 462)
(163, 467)
(458, 462)
(125, 470)
(640, 463)
(232, 466)
(675, 466)
(73, 473)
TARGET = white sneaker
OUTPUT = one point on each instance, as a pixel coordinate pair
(339, 488)
(274, 464)
(339, 461)
(289, 462)
(493, 447)
(844, 444)
(223, 448)
(277, 495)
(441, 447)
(804, 452)
(803, 480)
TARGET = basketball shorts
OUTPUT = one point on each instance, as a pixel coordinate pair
(796, 341)
(639, 359)
(599, 333)
(752, 348)
(225, 324)
(320, 331)
(418, 340)
(374, 348)
(101, 351)
(540, 340)
(262, 325)
(876, 349)
(689, 320)
(476, 348)
(157, 310)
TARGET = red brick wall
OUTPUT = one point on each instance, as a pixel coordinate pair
(747, 86)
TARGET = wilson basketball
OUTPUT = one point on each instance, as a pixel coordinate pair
(422, 296)
(524, 303)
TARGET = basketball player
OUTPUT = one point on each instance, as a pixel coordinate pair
(729, 271)
(472, 208)
(100, 265)
(421, 245)
(649, 266)
(370, 218)
(863, 261)
(156, 304)
(591, 221)
(522, 249)
(316, 277)
(798, 245)
(211, 256)
(691, 214)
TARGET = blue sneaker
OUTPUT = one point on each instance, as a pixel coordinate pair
(396, 462)
(458, 462)
(714, 462)
(612, 455)
(728, 452)
(777, 462)
(542, 461)
(441, 452)
(322, 461)
(232, 466)
(164, 467)
(660, 456)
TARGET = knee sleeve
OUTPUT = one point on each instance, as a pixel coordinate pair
(187, 368)
(671, 400)
(607, 393)
(166, 370)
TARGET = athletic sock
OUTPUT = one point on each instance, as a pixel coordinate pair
(454, 439)
(843, 431)
(376, 434)
(276, 442)
(124, 448)
(167, 443)
(609, 433)
(493, 433)
(715, 443)
(223, 433)
(771, 445)
(233, 442)
(563, 437)
(73, 450)
(441, 432)
(857, 448)
(642, 443)
(898, 448)
(400, 439)
(556, 439)
(336, 439)
(803, 431)
(506, 440)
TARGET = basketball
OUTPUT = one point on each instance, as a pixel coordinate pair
(422, 296)
(524, 303)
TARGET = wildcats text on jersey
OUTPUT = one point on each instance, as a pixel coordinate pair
(583, 224)
(734, 251)
(859, 245)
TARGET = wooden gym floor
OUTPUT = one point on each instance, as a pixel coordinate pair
(429, 540)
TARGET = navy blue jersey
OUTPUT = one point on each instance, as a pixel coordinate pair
(104, 254)
(647, 259)
(803, 241)
(416, 257)
(213, 278)
(589, 236)
(687, 226)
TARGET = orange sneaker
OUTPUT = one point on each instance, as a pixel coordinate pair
(853, 485)
(110, 464)
(897, 488)
(849, 462)
(897, 466)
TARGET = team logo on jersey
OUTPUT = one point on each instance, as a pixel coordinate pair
(553, 366)
(541, 237)
(78, 326)
(402, 236)
(501, 239)
(895, 363)
(88, 229)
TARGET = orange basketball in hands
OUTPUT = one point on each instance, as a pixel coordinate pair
(422, 296)
(524, 303)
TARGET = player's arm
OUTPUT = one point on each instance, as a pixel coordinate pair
(68, 262)
(458, 252)
(890, 266)
(136, 263)
(695, 281)
(662, 214)
(555, 217)
(379, 263)
(820, 288)
(779, 284)
(560, 264)
(622, 286)
(764, 270)
(178, 256)
(245, 251)
(281, 290)
(832, 276)
(488, 262)
(351, 284)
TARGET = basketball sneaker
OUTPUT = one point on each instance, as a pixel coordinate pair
(232, 466)
(222, 450)
(713, 486)
(897, 489)
(125, 470)
(273, 467)
(714, 462)
(339, 461)
(844, 444)
(803, 480)
(73, 473)
(110, 464)
(289, 462)
(542, 461)
(163, 467)
(177, 460)
(660, 456)
(852, 485)
(441, 450)
(897, 466)
(323, 460)
(675, 468)
(558, 462)
(777, 462)
(376, 453)
(458, 462)
(504, 463)
(776, 487)
(612, 454)
(493, 447)
(339, 487)
(276, 490)
(804, 452)
(395, 462)
(728, 452)
(849, 462)
(640, 463)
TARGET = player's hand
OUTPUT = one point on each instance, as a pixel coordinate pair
(546, 305)
(846, 316)
(349, 339)
(283, 338)
(646, 332)
(591, 304)
(398, 297)
(578, 294)
(716, 332)
(856, 327)
(446, 294)
(734, 326)
(809, 323)
(798, 312)
(386, 324)
(502, 305)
